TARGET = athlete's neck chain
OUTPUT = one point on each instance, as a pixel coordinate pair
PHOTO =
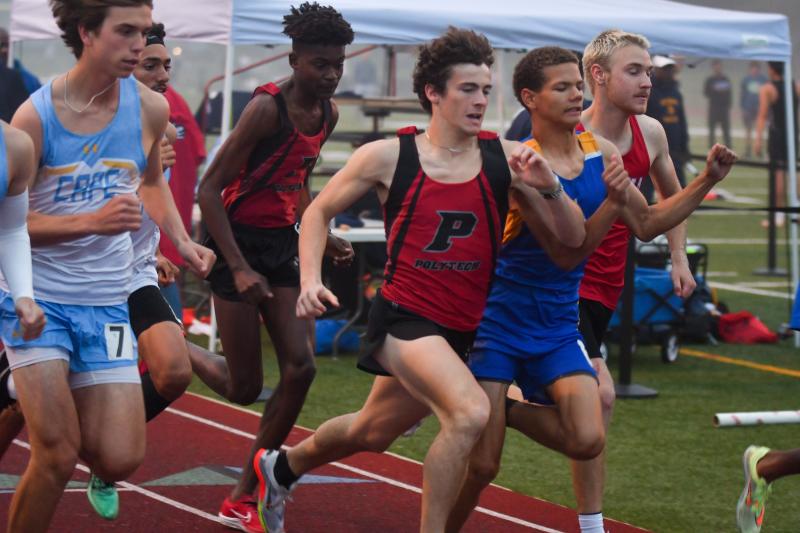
(448, 148)
(91, 100)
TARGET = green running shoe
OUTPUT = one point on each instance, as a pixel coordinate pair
(103, 497)
(751, 506)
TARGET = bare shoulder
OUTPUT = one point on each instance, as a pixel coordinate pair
(18, 143)
(509, 146)
(260, 117)
(378, 156)
(155, 107)
(21, 158)
(653, 133)
(607, 148)
(27, 119)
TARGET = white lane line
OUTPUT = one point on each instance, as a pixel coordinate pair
(150, 494)
(355, 470)
(735, 242)
(745, 290)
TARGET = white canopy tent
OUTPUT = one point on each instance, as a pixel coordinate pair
(672, 27)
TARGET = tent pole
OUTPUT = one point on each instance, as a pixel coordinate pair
(788, 86)
(225, 126)
(501, 99)
(10, 60)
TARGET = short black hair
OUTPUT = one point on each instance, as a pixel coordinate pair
(776, 66)
(529, 72)
(314, 24)
(72, 14)
(437, 58)
(156, 34)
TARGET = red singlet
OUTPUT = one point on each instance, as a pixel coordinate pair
(604, 276)
(266, 192)
(443, 238)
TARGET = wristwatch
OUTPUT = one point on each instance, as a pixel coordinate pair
(553, 193)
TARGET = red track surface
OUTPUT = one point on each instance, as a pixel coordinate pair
(197, 432)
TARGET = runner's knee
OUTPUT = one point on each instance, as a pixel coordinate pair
(299, 376)
(57, 457)
(483, 469)
(172, 381)
(245, 392)
(585, 443)
(469, 418)
(118, 464)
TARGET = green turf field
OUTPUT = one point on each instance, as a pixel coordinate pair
(669, 470)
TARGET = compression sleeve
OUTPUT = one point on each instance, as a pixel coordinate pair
(15, 246)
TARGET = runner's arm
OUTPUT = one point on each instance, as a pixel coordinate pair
(617, 184)
(156, 194)
(15, 260)
(531, 177)
(649, 221)
(666, 182)
(368, 167)
(258, 121)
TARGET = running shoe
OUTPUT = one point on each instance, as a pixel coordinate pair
(241, 514)
(751, 506)
(271, 494)
(103, 497)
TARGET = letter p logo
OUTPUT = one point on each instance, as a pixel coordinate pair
(454, 224)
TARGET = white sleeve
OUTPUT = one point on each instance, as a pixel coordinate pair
(15, 246)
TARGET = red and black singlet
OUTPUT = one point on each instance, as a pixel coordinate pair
(443, 238)
(604, 275)
(266, 192)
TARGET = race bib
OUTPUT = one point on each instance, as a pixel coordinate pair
(119, 342)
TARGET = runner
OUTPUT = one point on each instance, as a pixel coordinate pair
(96, 134)
(617, 67)
(445, 194)
(251, 197)
(529, 332)
(164, 365)
(17, 169)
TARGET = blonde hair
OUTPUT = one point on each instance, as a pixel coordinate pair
(601, 48)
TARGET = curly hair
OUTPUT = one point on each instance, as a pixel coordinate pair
(529, 72)
(90, 14)
(314, 24)
(436, 59)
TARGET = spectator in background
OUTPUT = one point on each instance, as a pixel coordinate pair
(748, 102)
(718, 90)
(190, 152)
(29, 80)
(666, 106)
(12, 88)
(772, 105)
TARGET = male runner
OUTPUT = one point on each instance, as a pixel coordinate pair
(96, 133)
(17, 169)
(529, 332)
(164, 368)
(445, 194)
(617, 67)
(251, 197)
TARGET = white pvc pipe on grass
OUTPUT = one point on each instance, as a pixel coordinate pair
(724, 420)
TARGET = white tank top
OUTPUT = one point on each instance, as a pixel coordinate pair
(80, 174)
(145, 244)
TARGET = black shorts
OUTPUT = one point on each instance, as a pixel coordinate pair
(272, 252)
(593, 323)
(147, 307)
(386, 317)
